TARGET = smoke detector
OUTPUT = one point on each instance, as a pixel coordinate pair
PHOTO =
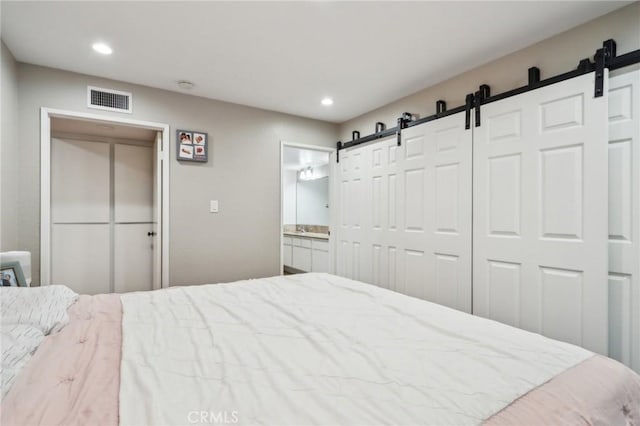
(186, 85)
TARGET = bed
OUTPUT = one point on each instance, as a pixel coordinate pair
(297, 350)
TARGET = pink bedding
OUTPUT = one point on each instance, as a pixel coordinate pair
(74, 379)
(74, 376)
(598, 391)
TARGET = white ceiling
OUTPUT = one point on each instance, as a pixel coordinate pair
(300, 158)
(285, 56)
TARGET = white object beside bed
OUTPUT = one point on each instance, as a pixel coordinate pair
(24, 258)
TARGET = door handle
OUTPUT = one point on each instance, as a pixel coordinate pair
(151, 234)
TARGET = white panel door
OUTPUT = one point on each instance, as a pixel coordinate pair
(360, 209)
(353, 198)
(79, 181)
(133, 183)
(435, 198)
(540, 215)
(102, 216)
(80, 256)
(405, 213)
(134, 230)
(624, 218)
(132, 257)
(80, 215)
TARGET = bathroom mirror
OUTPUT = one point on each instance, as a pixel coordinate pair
(312, 201)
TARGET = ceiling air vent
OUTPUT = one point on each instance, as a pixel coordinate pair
(108, 99)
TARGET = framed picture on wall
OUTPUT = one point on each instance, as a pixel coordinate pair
(192, 146)
(11, 274)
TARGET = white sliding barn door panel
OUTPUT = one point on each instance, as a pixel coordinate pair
(405, 213)
(385, 214)
(353, 212)
(435, 203)
(540, 215)
(624, 218)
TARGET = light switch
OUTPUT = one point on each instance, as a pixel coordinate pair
(213, 206)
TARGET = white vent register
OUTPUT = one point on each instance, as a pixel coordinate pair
(109, 99)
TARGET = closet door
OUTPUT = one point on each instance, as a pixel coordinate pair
(624, 218)
(405, 213)
(80, 214)
(368, 218)
(354, 199)
(540, 215)
(102, 215)
(385, 211)
(133, 217)
(435, 197)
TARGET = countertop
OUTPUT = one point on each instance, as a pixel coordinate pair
(307, 235)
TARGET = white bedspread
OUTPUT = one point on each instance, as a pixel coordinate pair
(320, 349)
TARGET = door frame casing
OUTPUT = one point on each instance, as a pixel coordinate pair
(46, 114)
(331, 152)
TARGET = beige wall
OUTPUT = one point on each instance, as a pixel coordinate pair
(9, 149)
(553, 56)
(242, 241)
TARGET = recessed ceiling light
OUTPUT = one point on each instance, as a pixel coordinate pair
(326, 101)
(102, 48)
(184, 84)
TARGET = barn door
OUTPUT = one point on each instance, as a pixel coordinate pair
(540, 212)
(434, 233)
(405, 213)
(367, 185)
(354, 202)
(624, 218)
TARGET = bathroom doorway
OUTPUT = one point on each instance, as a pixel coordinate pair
(305, 209)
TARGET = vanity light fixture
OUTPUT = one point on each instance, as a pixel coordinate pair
(102, 48)
(306, 174)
